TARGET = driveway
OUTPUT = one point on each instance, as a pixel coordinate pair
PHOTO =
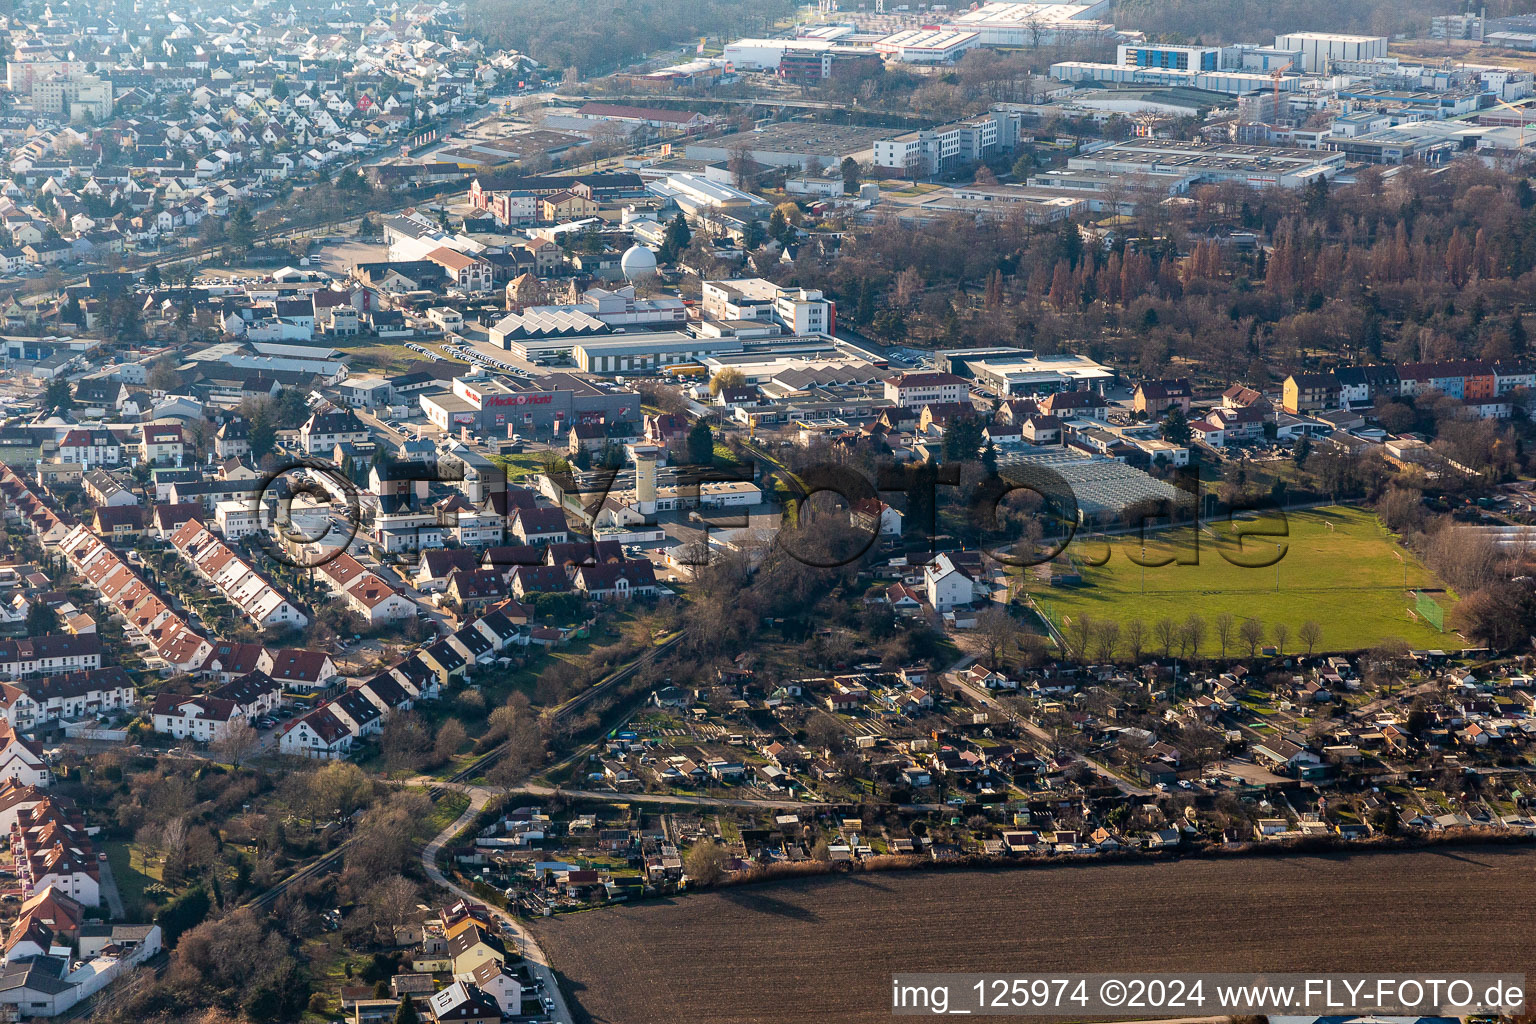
(109, 889)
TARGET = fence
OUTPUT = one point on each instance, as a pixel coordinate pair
(1430, 611)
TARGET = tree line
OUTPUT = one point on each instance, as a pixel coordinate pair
(1107, 640)
(1235, 285)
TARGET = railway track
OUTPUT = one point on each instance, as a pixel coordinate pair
(569, 708)
(328, 862)
(322, 865)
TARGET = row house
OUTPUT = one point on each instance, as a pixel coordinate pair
(446, 661)
(147, 619)
(1473, 381)
(230, 660)
(415, 678)
(255, 694)
(202, 717)
(475, 646)
(52, 654)
(298, 669)
(261, 603)
(616, 581)
(361, 716)
(329, 732)
(23, 505)
(50, 846)
(82, 694)
(365, 592)
(320, 735)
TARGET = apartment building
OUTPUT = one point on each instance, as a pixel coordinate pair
(798, 310)
(915, 390)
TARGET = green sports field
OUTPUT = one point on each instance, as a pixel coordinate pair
(1336, 566)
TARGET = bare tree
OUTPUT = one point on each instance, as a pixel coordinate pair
(450, 737)
(1194, 627)
(1080, 633)
(173, 849)
(405, 742)
(998, 632)
(706, 863)
(146, 839)
(741, 165)
(1033, 648)
(1107, 640)
(392, 901)
(1135, 639)
(240, 741)
(823, 732)
(1280, 633)
(1310, 634)
(381, 843)
(1166, 631)
(1251, 632)
(1226, 625)
(1200, 745)
(1387, 663)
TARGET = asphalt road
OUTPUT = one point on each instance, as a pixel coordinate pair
(538, 963)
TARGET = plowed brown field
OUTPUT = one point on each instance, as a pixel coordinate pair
(823, 950)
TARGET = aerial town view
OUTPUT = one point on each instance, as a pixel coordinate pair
(756, 512)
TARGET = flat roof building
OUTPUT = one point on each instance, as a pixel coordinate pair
(927, 46)
(1032, 24)
(495, 406)
(1017, 372)
(794, 144)
(647, 353)
(1233, 83)
(1256, 166)
(1318, 48)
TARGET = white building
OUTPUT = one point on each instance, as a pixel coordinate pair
(947, 585)
(927, 46)
(319, 735)
(21, 760)
(236, 519)
(915, 390)
(935, 150)
(801, 311)
(204, 719)
(1318, 48)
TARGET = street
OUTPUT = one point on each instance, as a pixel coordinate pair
(538, 963)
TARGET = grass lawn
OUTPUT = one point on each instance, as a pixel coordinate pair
(384, 355)
(519, 465)
(445, 811)
(1338, 567)
(129, 872)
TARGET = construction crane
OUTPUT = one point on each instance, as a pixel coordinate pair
(1519, 112)
(1274, 79)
